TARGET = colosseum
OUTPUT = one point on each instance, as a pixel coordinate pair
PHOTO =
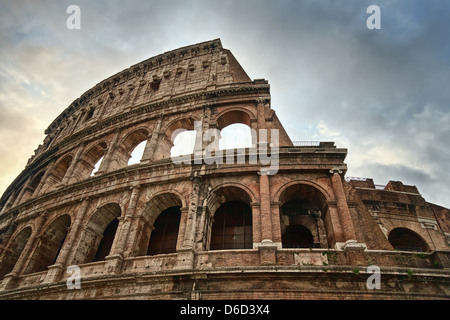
(278, 219)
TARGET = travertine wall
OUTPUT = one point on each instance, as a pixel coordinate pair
(55, 213)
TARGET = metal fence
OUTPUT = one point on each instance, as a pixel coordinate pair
(306, 143)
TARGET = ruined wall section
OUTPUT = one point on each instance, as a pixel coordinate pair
(402, 206)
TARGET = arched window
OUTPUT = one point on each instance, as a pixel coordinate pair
(235, 130)
(178, 139)
(137, 153)
(407, 240)
(232, 227)
(98, 235)
(301, 224)
(106, 243)
(130, 150)
(159, 233)
(163, 238)
(183, 143)
(13, 251)
(49, 246)
(235, 136)
(57, 174)
(29, 191)
(89, 162)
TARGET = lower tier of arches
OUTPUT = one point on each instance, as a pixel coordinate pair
(318, 272)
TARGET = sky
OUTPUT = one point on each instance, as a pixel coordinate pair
(383, 94)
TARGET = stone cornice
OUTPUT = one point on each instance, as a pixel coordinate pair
(135, 71)
(80, 188)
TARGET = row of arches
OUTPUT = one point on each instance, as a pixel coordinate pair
(228, 224)
(174, 139)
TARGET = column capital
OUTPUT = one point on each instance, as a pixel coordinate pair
(335, 170)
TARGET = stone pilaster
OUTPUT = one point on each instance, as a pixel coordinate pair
(346, 222)
(150, 147)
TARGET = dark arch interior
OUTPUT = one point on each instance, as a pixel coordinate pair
(14, 252)
(297, 236)
(164, 236)
(107, 241)
(49, 246)
(407, 240)
(232, 227)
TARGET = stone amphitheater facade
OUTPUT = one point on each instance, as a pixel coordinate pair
(159, 229)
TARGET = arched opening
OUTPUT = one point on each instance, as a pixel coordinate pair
(98, 235)
(235, 130)
(235, 136)
(89, 162)
(137, 153)
(232, 117)
(232, 227)
(297, 236)
(407, 240)
(29, 191)
(158, 232)
(60, 169)
(13, 251)
(11, 199)
(301, 211)
(165, 233)
(130, 150)
(56, 176)
(49, 246)
(106, 243)
(183, 143)
(178, 139)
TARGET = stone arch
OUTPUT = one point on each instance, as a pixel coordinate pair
(234, 119)
(14, 249)
(407, 240)
(313, 184)
(50, 243)
(88, 160)
(302, 207)
(229, 192)
(33, 186)
(163, 210)
(182, 122)
(170, 131)
(61, 168)
(58, 172)
(229, 224)
(127, 145)
(95, 244)
(234, 115)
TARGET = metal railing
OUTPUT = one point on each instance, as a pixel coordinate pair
(306, 143)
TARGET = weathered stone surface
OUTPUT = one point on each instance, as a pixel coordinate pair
(312, 233)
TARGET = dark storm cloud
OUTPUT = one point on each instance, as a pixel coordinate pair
(380, 93)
